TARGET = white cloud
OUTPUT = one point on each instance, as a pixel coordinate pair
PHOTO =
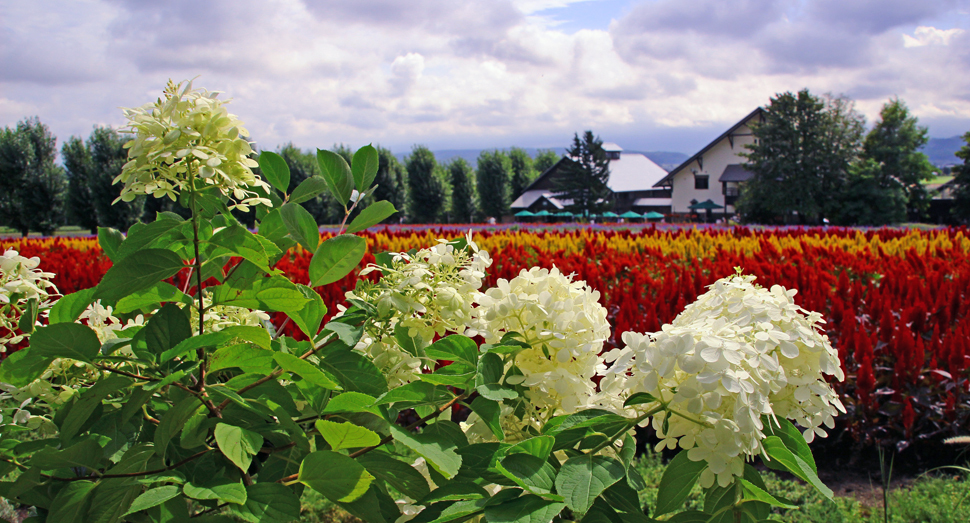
(924, 35)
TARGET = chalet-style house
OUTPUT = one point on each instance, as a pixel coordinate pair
(633, 177)
(714, 173)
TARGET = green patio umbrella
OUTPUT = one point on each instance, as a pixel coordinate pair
(544, 213)
(564, 214)
(653, 215)
(524, 214)
(610, 214)
(707, 205)
(630, 214)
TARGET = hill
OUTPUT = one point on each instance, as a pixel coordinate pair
(941, 151)
(665, 159)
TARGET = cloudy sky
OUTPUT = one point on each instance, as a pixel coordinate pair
(648, 74)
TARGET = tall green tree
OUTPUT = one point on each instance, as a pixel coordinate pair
(427, 192)
(391, 182)
(961, 182)
(463, 207)
(800, 158)
(545, 159)
(894, 144)
(866, 201)
(585, 177)
(523, 171)
(303, 164)
(32, 187)
(91, 170)
(493, 174)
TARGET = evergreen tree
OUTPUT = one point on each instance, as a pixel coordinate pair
(800, 158)
(523, 171)
(95, 165)
(545, 159)
(303, 165)
(462, 191)
(427, 193)
(32, 187)
(80, 206)
(585, 177)
(493, 174)
(391, 181)
(866, 201)
(894, 144)
(961, 182)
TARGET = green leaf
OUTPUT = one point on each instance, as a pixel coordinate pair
(438, 450)
(336, 258)
(491, 413)
(220, 489)
(346, 435)
(305, 370)
(455, 348)
(65, 340)
(110, 240)
(166, 329)
(531, 473)
(454, 491)
(310, 315)
(752, 491)
(111, 500)
(415, 394)
(308, 189)
(348, 334)
(273, 229)
(269, 502)
(144, 235)
(397, 474)
(23, 367)
(139, 271)
(582, 478)
(372, 215)
(244, 356)
(525, 509)
(173, 421)
(153, 498)
(243, 333)
(352, 402)
(71, 503)
(690, 516)
(365, 164)
(274, 168)
(237, 240)
(337, 173)
(161, 292)
(678, 478)
(487, 381)
(780, 455)
(68, 308)
(86, 453)
(539, 446)
(334, 475)
(301, 226)
(352, 370)
(29, 317)
(237, 444)
(791, 437)
(414, 345)
(639, 398)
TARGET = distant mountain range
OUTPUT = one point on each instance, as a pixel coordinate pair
(941, 151)
(665, 159)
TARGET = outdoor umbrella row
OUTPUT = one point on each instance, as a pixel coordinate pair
(566, 214)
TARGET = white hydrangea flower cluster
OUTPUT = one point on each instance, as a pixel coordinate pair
(21, 280)
(102, 321)
(565, 327)
(738, 353)
(188, 134)
(429, 293)
(218, 317)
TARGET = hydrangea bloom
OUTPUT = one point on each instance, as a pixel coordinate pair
(21, 281)
(218, 317)
(565, 327)
(102, 321)
(738, 353)
(429, 293)
(189, 134)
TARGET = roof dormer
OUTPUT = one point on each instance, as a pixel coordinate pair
(612, 150)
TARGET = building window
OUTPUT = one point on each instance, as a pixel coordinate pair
(613, 155)
(700, 181)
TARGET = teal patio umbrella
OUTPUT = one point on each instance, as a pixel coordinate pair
(707, 205)
(610, 214)
(543, 214)
(653, 215)
(631, 215)
(524, 214)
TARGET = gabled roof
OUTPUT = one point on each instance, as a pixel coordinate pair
(735, 173)
(632, 172)
(668, 180)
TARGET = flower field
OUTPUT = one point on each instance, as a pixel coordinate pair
(896, 302)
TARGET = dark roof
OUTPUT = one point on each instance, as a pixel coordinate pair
(670, 176)
(548, 172)
(735, 173)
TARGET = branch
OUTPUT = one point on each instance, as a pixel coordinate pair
(124, 373)
(197, 455)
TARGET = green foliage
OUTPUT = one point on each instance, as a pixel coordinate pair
(545, 159)
(894, 144)
(523, 172)
(427, 192)
(318, 202)
(91, 170)
(868, 198)
(32, 187)
(585, 177)
(493, 174)
(961, 183)
(800, 158)
(463, 191)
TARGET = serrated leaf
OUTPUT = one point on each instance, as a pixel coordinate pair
(337, 173)
(372, 215)
(364, 167)
(583, 478)
(237, 444)
(339, 478)
(677, 480)
(274, 169)
(336, 258)
(23, 367)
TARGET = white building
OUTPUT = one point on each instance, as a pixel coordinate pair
(633, 180)
(715, 172)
